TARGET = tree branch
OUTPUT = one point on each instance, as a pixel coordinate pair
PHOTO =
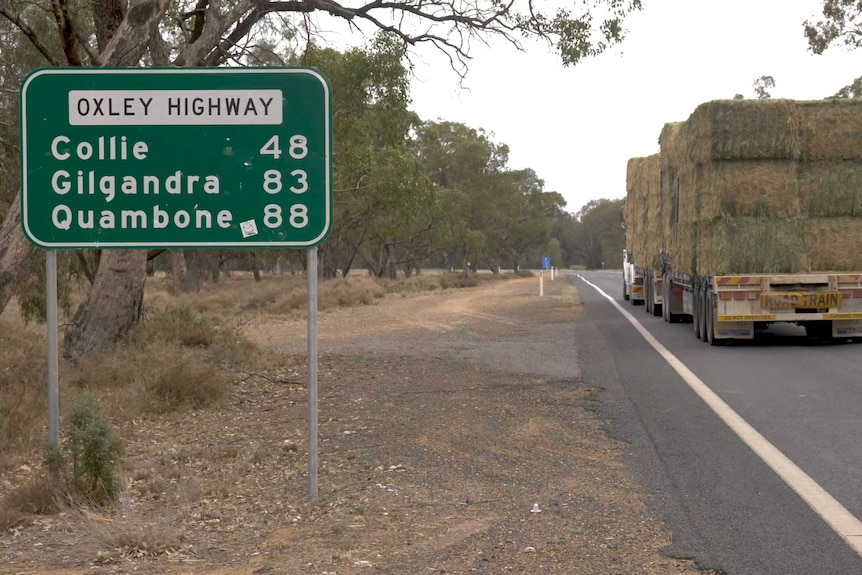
(132, 36)
(30, 34)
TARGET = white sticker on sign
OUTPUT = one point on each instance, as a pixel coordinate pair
(248, 228)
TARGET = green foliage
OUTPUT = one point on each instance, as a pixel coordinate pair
(91, 453)
(576, 36)
(490, 215)
(593, 236)
(762, 86)
(852, 90)
(842, 26)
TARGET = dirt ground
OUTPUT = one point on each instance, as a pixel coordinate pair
(456, 436)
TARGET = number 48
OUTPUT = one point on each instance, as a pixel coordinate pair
(297, 149)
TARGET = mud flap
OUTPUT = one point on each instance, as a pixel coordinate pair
(734, 330)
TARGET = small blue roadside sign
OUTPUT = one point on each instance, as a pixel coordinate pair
(546, 263)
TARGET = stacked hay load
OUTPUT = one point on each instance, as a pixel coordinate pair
(830, 182)
(643, 210)
(633, 208)
(763, 188)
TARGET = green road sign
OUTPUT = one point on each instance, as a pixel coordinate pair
(198, 157)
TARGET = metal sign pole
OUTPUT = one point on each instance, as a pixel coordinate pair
(53, 349)
(311, 269)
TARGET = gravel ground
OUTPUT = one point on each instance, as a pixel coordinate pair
(456, 436)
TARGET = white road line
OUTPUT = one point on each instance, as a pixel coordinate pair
(827, 507)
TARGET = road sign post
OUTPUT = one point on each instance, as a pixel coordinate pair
(177, 158)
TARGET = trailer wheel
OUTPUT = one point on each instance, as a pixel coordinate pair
(710, 322)
(647, 296)
(665, 294)
(696, 315)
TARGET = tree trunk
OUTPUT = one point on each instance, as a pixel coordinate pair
(15, 251)
(113, 305)
(178, 268)
(255, 266)
(195, 270)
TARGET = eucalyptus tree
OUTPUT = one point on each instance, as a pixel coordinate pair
(383, 201)
(491, 215)
(215, 33)
(526, 213)
(841, 26)
(599, 239)
(464, 166)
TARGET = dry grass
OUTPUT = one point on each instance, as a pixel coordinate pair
(23, 375)
(186, 355)
(35, 497)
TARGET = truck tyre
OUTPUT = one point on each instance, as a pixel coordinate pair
(648, 299)
(696, 316)
(647, 296)
(665, 292)
(703, 310)
(710, 322)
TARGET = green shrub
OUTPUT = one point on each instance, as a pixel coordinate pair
(87, 462)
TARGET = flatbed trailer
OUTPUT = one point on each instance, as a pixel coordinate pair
(733, 307)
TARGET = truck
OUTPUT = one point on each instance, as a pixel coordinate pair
(759, 218)
(633, 280)
(642, 256)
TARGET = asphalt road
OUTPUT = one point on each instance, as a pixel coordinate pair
(723, 505)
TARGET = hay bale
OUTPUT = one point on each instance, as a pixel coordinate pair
(767, 186)
(643, 210)
(743, 130)
(749, 245)
(748, 188)
(830, 188)
(651, 180)
(832, 129)
(682, 241)
(689, 195)
(629, 207)
(635, 210)
(834, 244)
(671, 156)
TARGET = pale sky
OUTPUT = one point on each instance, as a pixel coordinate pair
(577, 127)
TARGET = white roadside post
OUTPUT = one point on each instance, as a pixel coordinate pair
(541, 283)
